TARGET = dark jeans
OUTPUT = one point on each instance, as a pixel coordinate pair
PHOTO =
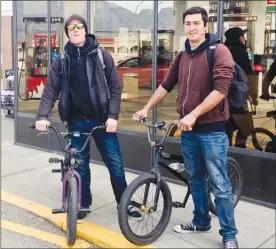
(205, 154)
(108, 146)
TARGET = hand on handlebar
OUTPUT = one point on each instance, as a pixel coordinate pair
(140, 114)
(111, 125)
(42, 125)
(187, 123)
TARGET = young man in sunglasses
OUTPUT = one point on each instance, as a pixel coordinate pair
(90, 95)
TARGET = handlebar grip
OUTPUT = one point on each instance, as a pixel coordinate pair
(101, 127)
(32, 126)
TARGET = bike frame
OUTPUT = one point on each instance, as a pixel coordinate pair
(71, 172)
(156, 167)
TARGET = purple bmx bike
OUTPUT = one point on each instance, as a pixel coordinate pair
(71, 180)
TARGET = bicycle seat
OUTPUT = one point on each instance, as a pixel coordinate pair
(271, 114)
(160, 124)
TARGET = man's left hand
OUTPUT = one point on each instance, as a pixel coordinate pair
(111, 125)
(187, 123)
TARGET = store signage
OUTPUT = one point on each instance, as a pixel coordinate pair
(232, 7)
(270, 6)
(234, 18)
(43, 19)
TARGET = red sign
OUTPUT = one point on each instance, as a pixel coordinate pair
(270, 2)
(42, 39)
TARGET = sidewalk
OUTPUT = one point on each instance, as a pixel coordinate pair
(27, 173)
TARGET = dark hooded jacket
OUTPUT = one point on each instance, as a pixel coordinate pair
(191, 71)
(240, 56)
(72, 85)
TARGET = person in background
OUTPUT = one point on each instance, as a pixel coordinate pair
(239, 119)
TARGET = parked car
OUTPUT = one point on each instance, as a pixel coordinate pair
(143, 67)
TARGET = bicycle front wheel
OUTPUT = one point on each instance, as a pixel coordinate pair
(236, 179)
(72, 210)
(139, 196)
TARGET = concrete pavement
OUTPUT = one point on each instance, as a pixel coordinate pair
(27, 173)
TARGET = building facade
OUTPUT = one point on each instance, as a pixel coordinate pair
(128, 30)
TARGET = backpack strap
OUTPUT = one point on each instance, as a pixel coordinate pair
(211, 60)
(62, 60)
(100, 55)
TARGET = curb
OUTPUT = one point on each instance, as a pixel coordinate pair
(93, 233)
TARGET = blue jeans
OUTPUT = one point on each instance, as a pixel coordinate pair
(205, 154)
(108, 146)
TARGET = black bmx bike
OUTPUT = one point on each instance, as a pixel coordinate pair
(151, 195)
(71, 180)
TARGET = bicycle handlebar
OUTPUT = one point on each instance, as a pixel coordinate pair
(72, 151)
(160, 125)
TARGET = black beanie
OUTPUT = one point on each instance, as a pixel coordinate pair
(234, 33)
(70, 18)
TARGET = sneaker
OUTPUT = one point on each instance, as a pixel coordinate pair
(189, 228)
(81, 217)
(134, 214)
(231, 244)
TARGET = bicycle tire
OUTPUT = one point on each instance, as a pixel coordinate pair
(260, 130)
(124, 205)
(72, 210)
(231, 162)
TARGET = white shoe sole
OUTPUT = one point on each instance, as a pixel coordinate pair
(80, 221)
(179, 230)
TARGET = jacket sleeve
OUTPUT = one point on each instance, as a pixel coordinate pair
(114, 86)
(171, 78)
(51, 90)
(223, 69)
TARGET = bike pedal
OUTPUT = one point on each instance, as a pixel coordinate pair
(84, 210)
(58, 211)
(177, 204)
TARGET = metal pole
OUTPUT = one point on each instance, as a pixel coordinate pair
(49, 53)
(220, 20)
(15, 61)
(88, 14)
(154, 70)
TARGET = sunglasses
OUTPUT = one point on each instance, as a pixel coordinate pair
(73, 26)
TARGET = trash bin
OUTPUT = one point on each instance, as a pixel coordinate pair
(130, 84)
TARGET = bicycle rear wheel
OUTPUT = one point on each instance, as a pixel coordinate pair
(261, 138)
(236, 179)
(140, 194)
(72, 209)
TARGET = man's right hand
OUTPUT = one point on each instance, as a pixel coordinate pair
(140, 114)
(42, 125)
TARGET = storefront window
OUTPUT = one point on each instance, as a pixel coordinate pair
(255, 129)
(124, 28)
(32, 53)
(32, 42)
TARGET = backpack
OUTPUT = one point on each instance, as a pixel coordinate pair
(238, 91)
